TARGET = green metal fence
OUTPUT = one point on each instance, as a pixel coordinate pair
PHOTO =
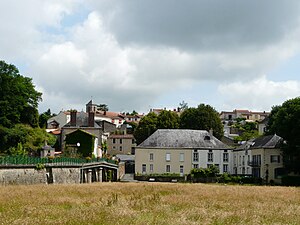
(25, 160)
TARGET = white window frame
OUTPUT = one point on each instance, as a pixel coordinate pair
(151, 156)
(181, 157)
(151, 168)
(168, 157)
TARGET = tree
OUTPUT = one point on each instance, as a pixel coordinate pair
(146, 127)
(204, 117)
(183, 106)
(43, 118)
(167, 120)
(284, 121)
(103, 107)
(18, 97)
(22, 138)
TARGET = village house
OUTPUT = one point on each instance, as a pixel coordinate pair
(261, 158)
(120, 144)
(246, 114)
(178, 151)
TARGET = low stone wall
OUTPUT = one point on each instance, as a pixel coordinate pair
(66, 175)
(30, 175)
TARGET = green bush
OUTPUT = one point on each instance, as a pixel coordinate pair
(290, 180)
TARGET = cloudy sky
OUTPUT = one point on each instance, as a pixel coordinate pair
(146, 54)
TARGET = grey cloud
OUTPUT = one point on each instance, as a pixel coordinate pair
(200, 25)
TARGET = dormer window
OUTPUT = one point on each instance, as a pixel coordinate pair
(207, 138)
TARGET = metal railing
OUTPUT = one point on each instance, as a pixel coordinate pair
(26, 160)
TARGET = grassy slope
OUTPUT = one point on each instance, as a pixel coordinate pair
(148, 203)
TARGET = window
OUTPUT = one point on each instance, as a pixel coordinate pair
(210, 157)
(133, 141)
(195, 166)
(181, 170)
(243, 160)
(256, 160)
(196, 157)
(275, 158)
(121, 141)
(114, 141)
(168, 157)
(168, 168)
(121, 148)
(181, 157)
(208, 165)
(144, 168)
(225, 168)
(151, 168)
(151, 157)
(225, 157)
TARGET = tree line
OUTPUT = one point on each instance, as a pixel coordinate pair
(203, 117)
(22, 128)
(20, 123)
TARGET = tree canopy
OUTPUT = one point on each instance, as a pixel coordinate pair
(151, 122)
(284, 121)
(146, 127)
(204, 117)
(24, 137)
(18, 97)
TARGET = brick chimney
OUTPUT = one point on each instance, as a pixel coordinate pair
(91, 119)
(73, 118)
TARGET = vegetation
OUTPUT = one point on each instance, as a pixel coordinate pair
(18, 98)
(248, 129)
(146, 127)
(85, 141)
(204, 117)
(149, 203)
(43, 118)
(22, 139)
(285, 122)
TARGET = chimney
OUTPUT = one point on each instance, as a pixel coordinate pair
(91, 119)
(211, 131)
(73, 118)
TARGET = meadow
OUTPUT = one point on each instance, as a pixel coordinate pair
(149, 203)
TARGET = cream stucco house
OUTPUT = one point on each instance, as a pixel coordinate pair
(178, 151)
(260, 157)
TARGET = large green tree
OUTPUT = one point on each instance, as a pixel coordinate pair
(151, 122)
(146, 127)
(167, 120)
(284, 121)
(204, 117)
(31, 139)
(18, 98)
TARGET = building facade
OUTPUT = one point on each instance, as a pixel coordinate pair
(260, 157)
(179, 151)
(120, 144)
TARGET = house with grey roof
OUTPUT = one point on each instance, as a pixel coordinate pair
(260, 157)
(178, 151)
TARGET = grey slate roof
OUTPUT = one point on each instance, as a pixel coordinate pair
(269, 141)
(177, 138)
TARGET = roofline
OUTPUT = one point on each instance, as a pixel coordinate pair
(200, 148)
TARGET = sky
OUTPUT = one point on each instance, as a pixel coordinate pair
(137, 55)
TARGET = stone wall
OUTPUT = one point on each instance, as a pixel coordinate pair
(29, 175)
(22, 176)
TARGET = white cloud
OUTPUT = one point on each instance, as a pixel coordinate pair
(258, 94)
(128, 55)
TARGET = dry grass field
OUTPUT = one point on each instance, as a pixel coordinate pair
(149, 203)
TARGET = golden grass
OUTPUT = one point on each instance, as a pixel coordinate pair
(149, 203)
